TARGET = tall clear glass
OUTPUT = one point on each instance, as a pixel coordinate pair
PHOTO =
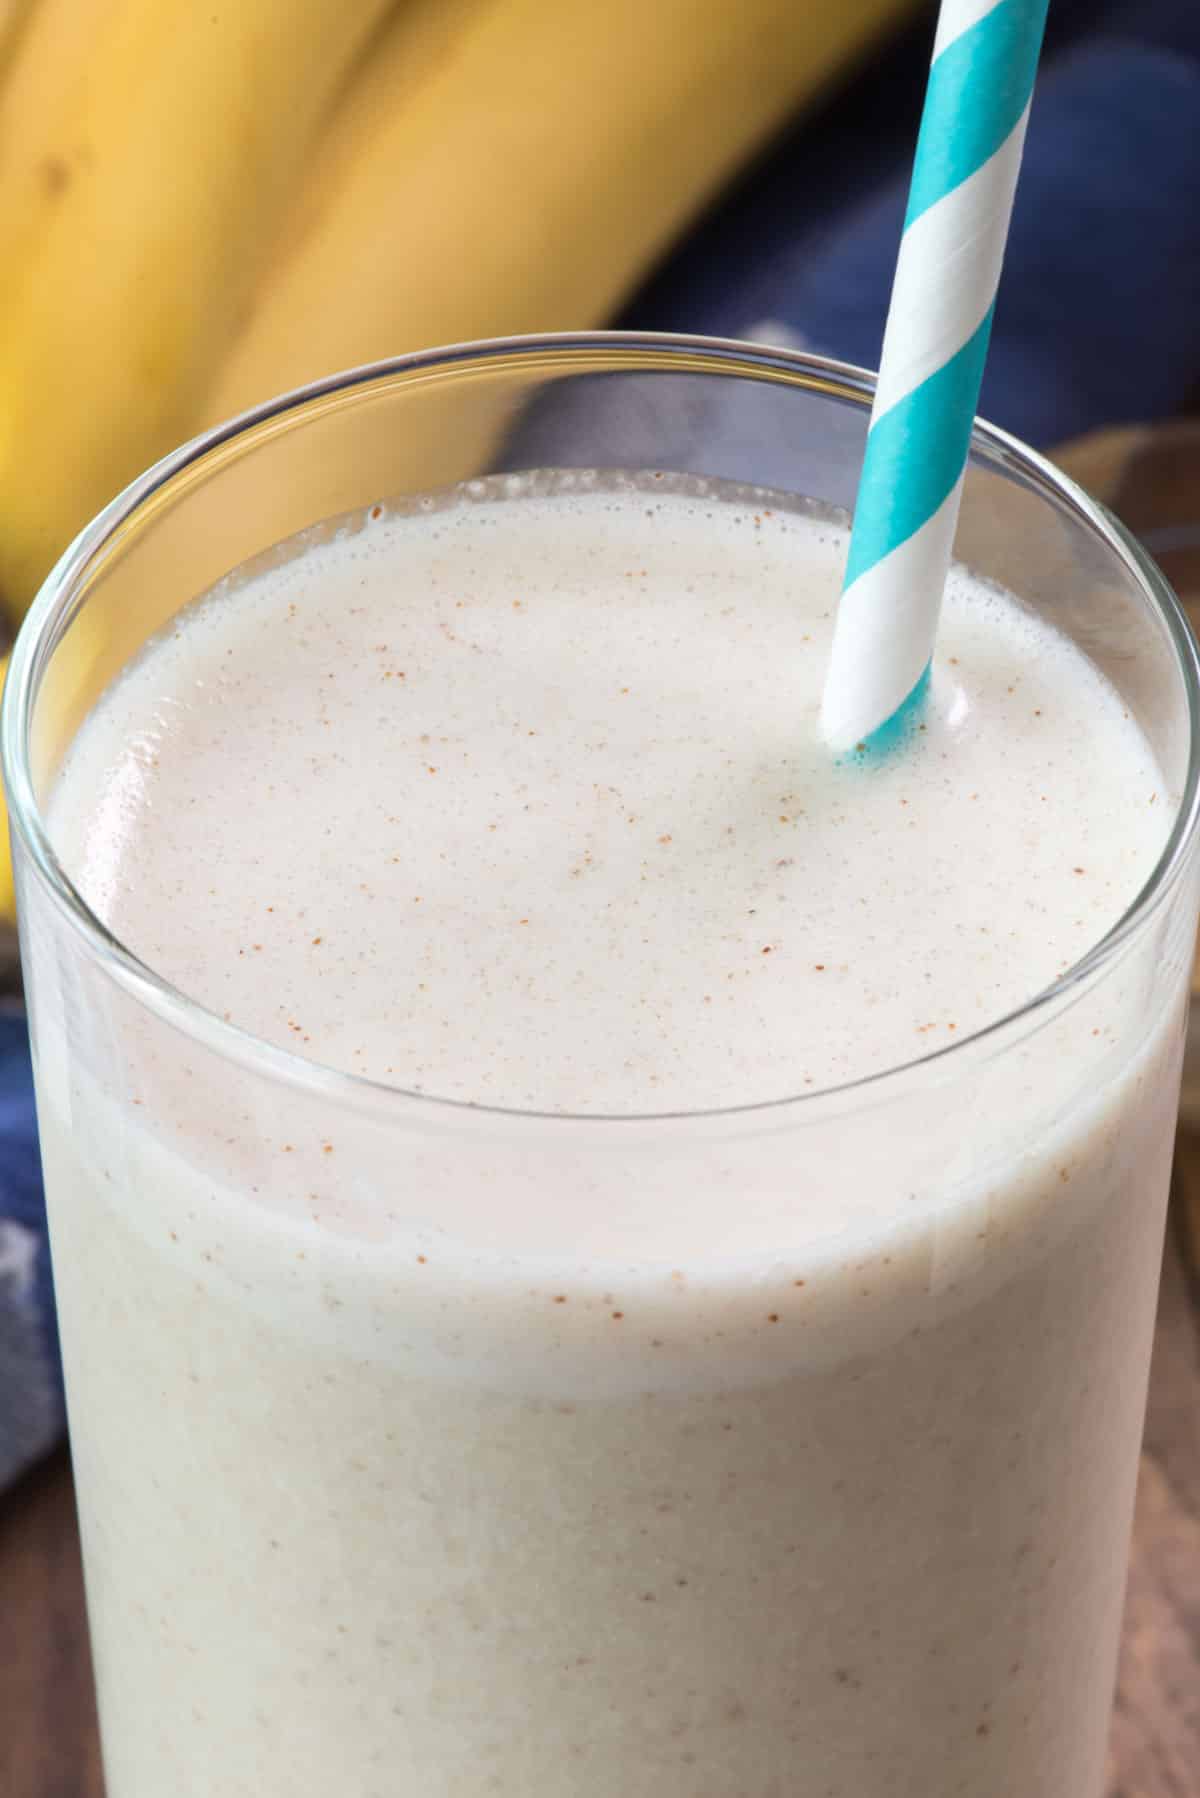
(354, 1524)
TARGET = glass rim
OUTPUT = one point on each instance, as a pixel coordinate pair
(595, 352)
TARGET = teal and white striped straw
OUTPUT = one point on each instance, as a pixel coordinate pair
(964, 178)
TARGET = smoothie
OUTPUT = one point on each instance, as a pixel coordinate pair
(776, 1453)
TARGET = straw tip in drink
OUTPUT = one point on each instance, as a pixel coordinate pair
(885, 739)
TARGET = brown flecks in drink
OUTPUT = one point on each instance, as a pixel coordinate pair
(818, 967)
(560, 1298)
(1078, 870)
(665, 839)
(423, 1259)
(327, 1148)
(767, 950)
(376, 511)
(617, 1316)
(772, 1317)
(797, 1282)
(983, 1729)
(317, 940)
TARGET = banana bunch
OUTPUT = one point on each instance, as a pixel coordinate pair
(202, 205)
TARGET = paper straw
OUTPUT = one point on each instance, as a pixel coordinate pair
(964, 178)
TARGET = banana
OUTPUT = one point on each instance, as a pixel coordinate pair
(12, 17)
(40, 152)
(411, 42)
(187, 128)
(532, 177)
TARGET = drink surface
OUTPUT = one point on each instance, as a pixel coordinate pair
(742, 1463)
(523, 803)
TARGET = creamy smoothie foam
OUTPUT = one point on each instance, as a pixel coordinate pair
(723, 1459)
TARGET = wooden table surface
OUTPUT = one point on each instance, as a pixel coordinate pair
(48, 1743)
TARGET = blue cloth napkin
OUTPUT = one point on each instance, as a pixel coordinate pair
(31, 1400)
(1098, 322)
(1098, 308)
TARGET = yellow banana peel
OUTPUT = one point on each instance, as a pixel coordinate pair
(551, 152)
(187, 129)
(42, 149)
(13, 15)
